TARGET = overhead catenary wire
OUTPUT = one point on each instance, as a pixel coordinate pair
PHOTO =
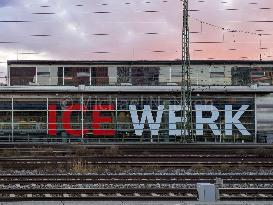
(223, 28)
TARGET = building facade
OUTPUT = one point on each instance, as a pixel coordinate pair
(122, 101)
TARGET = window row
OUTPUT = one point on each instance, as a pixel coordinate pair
(138, 75)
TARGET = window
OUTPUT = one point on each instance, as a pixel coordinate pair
(217, 74)
(100, 76)
(76, 76)
(22, 75)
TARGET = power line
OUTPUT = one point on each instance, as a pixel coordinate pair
(226, 29)
(232, 31)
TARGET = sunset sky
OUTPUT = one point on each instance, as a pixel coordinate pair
(127, 29)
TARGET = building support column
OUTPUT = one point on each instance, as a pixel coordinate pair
(170, 74)
(63, 75)
(82, 115)
(255, 111)
(90, 76)
(36, 75)
(116, 114)
(47, 115)
(12, 119)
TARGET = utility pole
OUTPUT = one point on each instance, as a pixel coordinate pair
(186, 101)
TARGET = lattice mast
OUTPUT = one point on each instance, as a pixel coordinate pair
(186, 98)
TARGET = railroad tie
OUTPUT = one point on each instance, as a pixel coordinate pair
(136, 194)
(48, 195)
(171, 194)
(12, 195)
(154, 194)
(83, 195)
(66, 195)
(29, 195)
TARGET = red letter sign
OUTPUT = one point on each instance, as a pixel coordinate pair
(52, 127)
(66, 119)
(97, 119)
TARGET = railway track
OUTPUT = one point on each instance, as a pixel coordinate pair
(25, 190)
(140, 161)
(139, 148)
(121, 179)
(51, 187)
(129, 194)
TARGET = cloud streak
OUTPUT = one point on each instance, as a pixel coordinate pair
(64, 29)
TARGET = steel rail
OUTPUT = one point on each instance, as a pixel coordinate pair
(129, 194)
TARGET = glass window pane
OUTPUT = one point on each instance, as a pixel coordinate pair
(76, 76)
(100, 76)
(22, 75)
(29, 104)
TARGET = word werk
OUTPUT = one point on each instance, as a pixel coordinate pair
(154, 124)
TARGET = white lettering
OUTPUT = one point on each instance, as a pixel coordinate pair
(173, 119)
(200, 120)
(154, 124)
(229, 120)
(147, 114)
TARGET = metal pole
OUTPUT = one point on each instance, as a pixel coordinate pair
(116, 114)
(255, 113)
(90, 76)
(63, 75)
(186, 101)
(47, 116)
(12, 119)
(82, 125)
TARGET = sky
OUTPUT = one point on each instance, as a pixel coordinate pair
(128, 30)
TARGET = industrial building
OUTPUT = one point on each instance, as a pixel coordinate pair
(135, 101)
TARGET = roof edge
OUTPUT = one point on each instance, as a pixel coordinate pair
(136, 62)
